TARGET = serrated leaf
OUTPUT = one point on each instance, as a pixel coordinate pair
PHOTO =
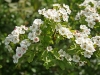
(30, 59)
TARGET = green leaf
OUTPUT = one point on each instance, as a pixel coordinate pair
(61, 64)
(30, 59)
(1, 66)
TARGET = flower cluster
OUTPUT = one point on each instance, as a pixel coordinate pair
(59, 14)
(21, 50)
(14, 36)
(64, 31)
(64, 54)
(34, 32)
(85, 44)
(70, 58)
(96, 40)
(90, 12)
(84, 41)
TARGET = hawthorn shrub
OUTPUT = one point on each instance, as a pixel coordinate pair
(65, 38)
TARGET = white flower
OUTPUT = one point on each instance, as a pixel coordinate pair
(62, 11)
(91, 24)
(34, 27)
(56, 5)
(15, 32)
(8, 47)
(24, 27)
(41, 11)
(62, 31)
(77, 17)
(19, 30)
(49, 48)
(14, 39)
(90, 48)
(7, 41)
(24, 48)
(57, 19)
(38, 32)
(56, 14)
(61, 58)
(65, 17)
(85, 3)
(68, 57)
(76, 58)
(79, 40)
(87, 47)
(78, 35)
(38, 21)
(36, 39)
(96, 40)
(53, 14)
(61, 53)
(88, 54)
(83, 27)
(15, 59)
(67, 8)
(98, 43)
(66, 32)
(25, 42)
(31, 35)
(58, 26)
(81, 63)
(88, 41)
(19, 52)
(86, 31)
(89, 18)
(69, 35)
(83, 46)
(90, 12)
(98, 4)
(45, 14)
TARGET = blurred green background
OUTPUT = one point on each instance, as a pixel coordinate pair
(23, 12)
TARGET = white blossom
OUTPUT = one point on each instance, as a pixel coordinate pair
(81, 63)
(25, 42)
(49, 48)
(61, 53)
(15, 59)
(68, 57)
(38, 22)
(8, 47)
(36, 39)
(34, 27)
(19, 52)
(31, 35)
(76, 58)
(88, 54)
